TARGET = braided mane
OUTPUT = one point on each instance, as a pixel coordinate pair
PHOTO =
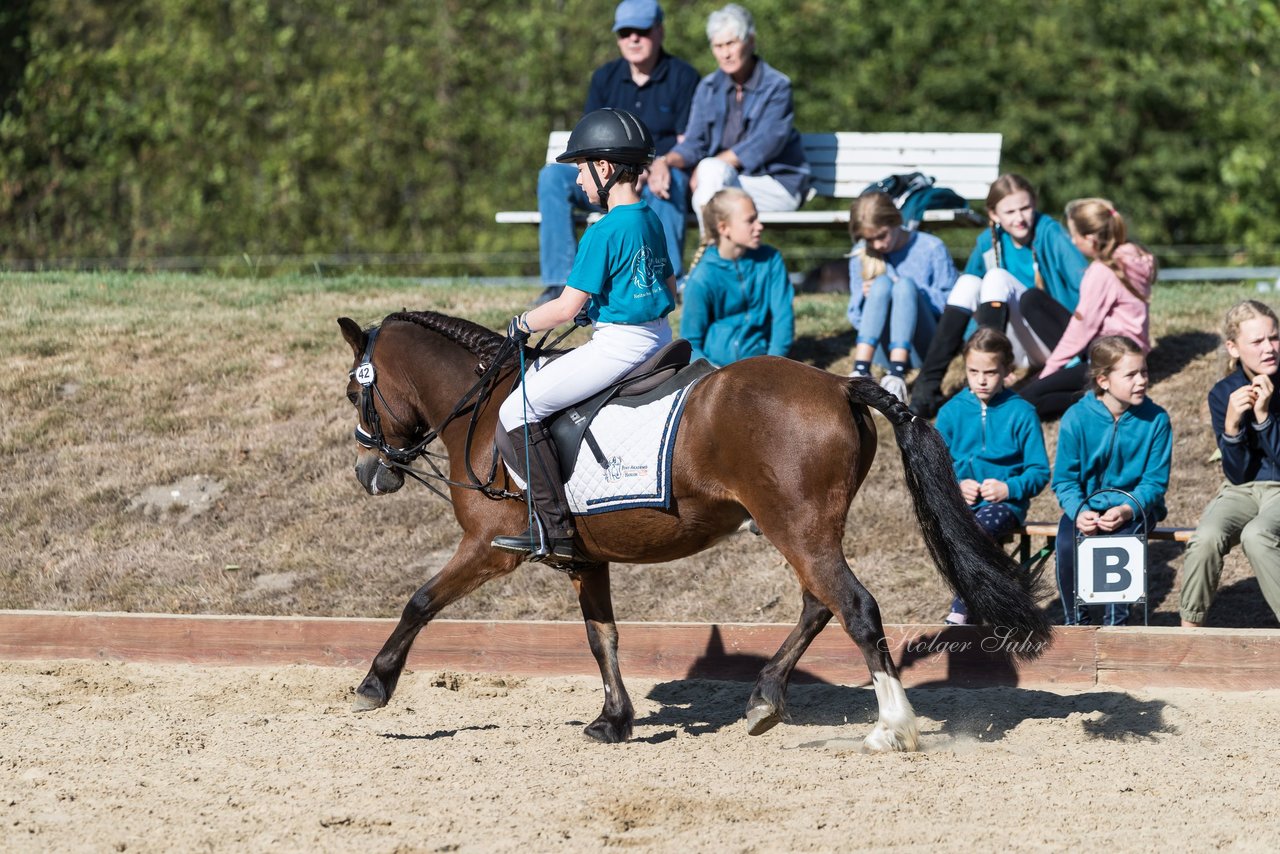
(480, 341)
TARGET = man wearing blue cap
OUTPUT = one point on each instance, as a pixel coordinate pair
(657, 88)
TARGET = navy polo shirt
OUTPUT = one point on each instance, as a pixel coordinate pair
(662, 103)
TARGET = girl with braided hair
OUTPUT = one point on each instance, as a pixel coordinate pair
(1023, 278)
(1114, 300)
(737, 297)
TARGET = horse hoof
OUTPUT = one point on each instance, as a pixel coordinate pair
(761, 719)
(366, 704)
(369, 696)
(885, 740)
(604, 731)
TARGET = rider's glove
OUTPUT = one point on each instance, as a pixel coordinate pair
(518, 329)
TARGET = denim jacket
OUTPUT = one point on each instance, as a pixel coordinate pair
(771, 145)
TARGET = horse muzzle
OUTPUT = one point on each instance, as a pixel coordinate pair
(375, 476)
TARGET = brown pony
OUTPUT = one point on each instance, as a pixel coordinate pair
(769, 439)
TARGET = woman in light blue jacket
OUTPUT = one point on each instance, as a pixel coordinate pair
(737, 297)
(741, 130)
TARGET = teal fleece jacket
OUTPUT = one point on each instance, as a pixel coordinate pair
(1001, 440)
(1132, 453)
(1060, 263)
(735, 309)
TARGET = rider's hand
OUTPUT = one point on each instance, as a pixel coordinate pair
(518, 329)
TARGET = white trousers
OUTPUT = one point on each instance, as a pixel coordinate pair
(1001, 286)
(766, 191)
(614, 349)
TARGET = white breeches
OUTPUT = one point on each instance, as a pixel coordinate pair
(614, 349)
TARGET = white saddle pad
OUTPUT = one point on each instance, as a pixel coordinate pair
(638, 442)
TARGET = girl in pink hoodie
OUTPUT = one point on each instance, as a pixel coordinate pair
(1115, 295)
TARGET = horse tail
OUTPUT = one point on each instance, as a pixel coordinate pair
(995, 589)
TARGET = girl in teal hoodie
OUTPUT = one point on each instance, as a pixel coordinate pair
(1113, 438)
(997, 447)
(737, 296)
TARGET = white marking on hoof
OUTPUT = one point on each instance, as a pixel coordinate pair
(896, 728)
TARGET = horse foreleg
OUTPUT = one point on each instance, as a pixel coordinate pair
(472, 564)
(592, 586)
(768, 699)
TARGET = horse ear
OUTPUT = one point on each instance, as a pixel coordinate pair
(353, 333)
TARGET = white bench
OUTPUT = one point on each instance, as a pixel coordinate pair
(844, 164)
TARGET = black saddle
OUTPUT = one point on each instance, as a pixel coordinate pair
(661, 374)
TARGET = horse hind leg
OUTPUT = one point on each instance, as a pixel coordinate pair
(615, 721)
(767, 704)
(896, 728)
(832, 582)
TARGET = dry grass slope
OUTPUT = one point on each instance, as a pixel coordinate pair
(121, 386)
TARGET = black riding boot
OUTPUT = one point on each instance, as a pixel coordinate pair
(926, 394)
(992, 314)
(1047, 317)
(552, 537)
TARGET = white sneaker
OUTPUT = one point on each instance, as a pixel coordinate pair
(895, 385)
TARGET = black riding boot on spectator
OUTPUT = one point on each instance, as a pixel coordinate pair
(993, 314)
(551, 535)
(1047, 317)
(926, 394)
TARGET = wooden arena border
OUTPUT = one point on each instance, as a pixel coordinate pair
(952, 656)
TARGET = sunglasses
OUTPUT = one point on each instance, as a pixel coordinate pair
(628, 32)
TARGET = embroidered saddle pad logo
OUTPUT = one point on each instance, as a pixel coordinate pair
(637, 444)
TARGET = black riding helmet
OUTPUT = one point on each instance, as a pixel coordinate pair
(613, 135)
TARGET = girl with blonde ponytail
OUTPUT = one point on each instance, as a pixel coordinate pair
(1114, 297)
(737, 296)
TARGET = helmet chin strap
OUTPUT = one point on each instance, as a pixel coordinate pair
(603, 189)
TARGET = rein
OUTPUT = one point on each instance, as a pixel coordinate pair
(402, 458)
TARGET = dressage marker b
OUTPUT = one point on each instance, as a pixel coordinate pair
(1111, 569)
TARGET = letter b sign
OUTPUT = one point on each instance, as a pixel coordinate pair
(1111, 569)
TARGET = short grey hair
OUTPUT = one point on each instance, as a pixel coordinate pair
(732, 19)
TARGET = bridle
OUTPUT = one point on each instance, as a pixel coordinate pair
(402, 459)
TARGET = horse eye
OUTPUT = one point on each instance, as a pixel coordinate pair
(353, 397)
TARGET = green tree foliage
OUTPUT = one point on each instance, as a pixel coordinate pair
(146, 128)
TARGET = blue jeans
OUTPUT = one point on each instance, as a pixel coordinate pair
(1065, 552)
(996, 520)
(559, 195)
(898, 313)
